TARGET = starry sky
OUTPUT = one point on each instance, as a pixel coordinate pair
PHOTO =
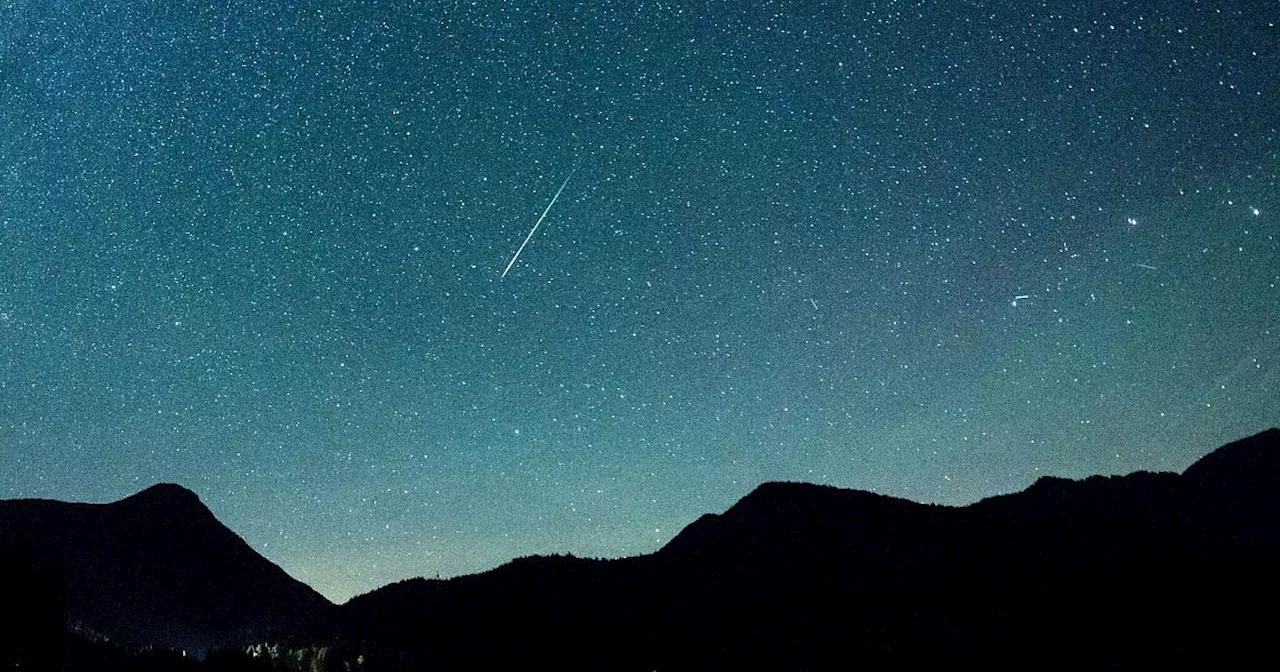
(928, 249)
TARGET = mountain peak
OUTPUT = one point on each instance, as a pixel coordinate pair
(794, 491)
(772, 490)
(168, 491)
(1244, 459)
(784, 498)
(1050, 483)
(166, 495)
(1234, 487)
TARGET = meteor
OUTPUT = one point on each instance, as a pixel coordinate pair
(539, 222)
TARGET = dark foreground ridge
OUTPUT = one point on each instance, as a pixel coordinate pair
(1119, 572)
(155, 569)
(1122, 572)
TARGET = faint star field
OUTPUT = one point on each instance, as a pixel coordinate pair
(932, 250)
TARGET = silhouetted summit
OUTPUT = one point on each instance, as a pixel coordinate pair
(1243, 463)
(1235, 492)
(166, 494)
(157, 568)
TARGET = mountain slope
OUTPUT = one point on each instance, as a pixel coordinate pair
(157, 568)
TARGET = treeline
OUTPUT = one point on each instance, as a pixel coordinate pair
(104, 657)
(38, 637)
(274, 658)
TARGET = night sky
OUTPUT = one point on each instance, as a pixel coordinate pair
(928, 249)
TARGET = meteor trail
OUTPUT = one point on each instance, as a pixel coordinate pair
(539, 222)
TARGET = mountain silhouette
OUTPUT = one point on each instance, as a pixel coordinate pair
(158, 569)
(1115, 572)
(1109, 572)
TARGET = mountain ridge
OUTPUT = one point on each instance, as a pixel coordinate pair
(788, 576)
(802, 572)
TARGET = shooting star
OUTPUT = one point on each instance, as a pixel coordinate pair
(1149, 267)
(539, 222)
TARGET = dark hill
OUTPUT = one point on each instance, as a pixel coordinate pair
(1116, 572)
(1235, 492)
(157, 568)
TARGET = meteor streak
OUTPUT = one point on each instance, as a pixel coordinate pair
(539, 222)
